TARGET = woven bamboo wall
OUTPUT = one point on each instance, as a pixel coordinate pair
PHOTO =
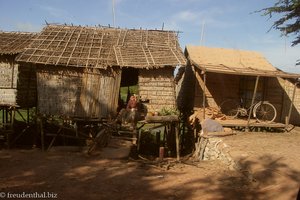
(288, 95)
(8, 81)
(77, 92)
(274, 93)
(158, 86)
(219, 88)
(186, 93)
(17, 83)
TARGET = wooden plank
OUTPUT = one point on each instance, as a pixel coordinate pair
(253, 123)
(177, 141)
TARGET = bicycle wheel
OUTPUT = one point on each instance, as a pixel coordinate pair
(230, 108)
(264, 112)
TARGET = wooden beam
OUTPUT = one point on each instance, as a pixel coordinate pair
(177, 140)
(252, 102)
(204, 95)
(222, 69)
(202, 84)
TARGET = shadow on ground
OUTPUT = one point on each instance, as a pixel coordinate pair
(74, 175)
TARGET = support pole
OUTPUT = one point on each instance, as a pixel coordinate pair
(6, 115)
(204, 99)
(252, 102)
(28, 115)
(3, 115)
(13, 115)
(177, 140)
(42, 133)
(202, 84)
(291, 106)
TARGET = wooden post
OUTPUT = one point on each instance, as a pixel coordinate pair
(139, 139)
(6, 115)
(157, 137)
(42, 133)
(252, 102)
(12, 121)
(13, 114)
(28, 116)
(202, 84)
(177, 140)
(291, 106)
(204, 77)
(3, 115)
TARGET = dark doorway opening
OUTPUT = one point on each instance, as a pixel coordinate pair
(128, 86)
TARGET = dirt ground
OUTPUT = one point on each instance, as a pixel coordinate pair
(270, 169)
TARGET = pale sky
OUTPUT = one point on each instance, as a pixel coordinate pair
(220, 23)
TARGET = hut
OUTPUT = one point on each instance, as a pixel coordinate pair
(17, 82)
(80, 69)
(214, 75)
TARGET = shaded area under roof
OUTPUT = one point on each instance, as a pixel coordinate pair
(231, 61)
(101, 47)
(14, 42)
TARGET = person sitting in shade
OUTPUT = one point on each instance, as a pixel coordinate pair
(132, 103)
(132, 111)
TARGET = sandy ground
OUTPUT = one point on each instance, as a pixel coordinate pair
(270, 169)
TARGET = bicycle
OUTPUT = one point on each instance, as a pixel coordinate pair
(263, 111)
(102, 136)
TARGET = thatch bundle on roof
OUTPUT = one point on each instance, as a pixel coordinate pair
(17, 82)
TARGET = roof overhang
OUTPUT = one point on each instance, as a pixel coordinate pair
(222, 69)
(233, 61)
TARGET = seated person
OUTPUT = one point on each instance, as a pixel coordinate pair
(130, 114)
(132, 103)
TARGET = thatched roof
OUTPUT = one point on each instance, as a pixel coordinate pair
(14, 42)
(233, 61)
(101, 47)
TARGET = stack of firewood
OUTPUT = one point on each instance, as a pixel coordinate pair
(210, 112)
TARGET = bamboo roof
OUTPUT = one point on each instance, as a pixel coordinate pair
(14, 42)
(233, 61)
(101, 47)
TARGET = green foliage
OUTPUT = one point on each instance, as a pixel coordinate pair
(124, 91)
(168, 111)
(21, 115)
(289, 22)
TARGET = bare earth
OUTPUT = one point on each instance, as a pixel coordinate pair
(270, 169)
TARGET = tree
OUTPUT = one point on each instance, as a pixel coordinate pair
(289, 20)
